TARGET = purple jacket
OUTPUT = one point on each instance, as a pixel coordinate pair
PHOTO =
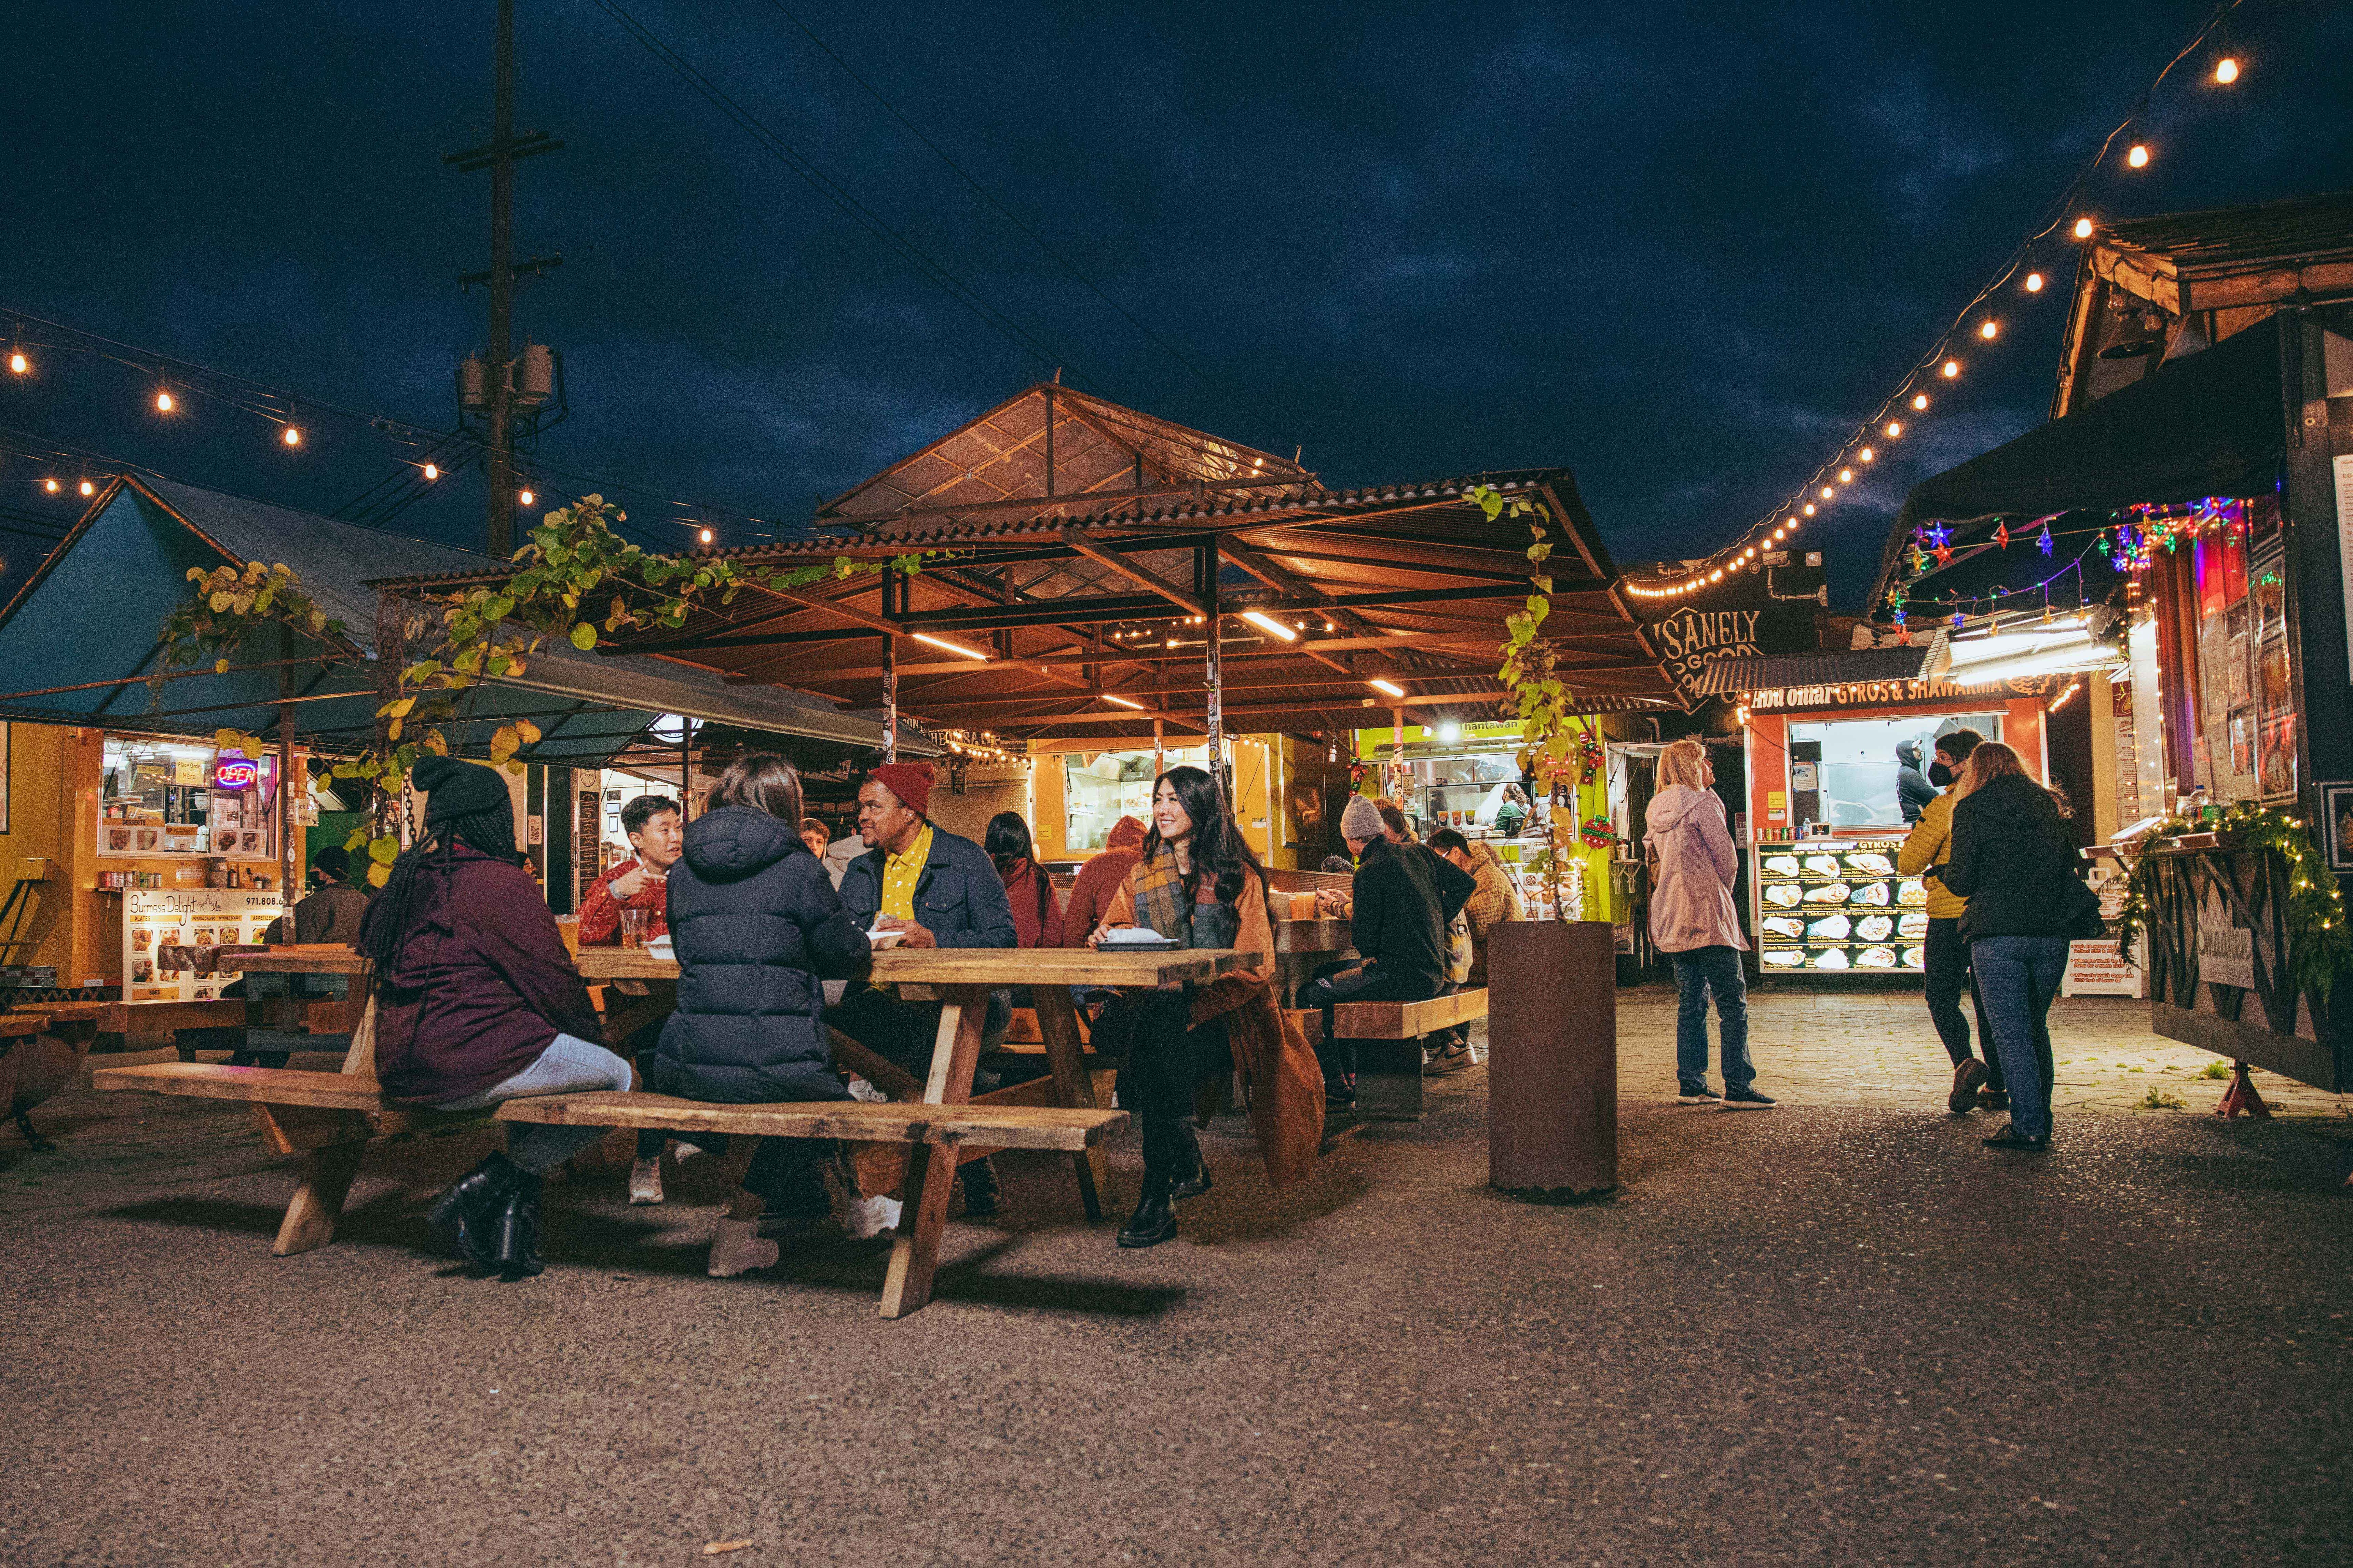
(1693, 863)
(480, 986)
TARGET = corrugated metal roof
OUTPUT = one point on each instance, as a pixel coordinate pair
(1842, 667)
(2300, 227)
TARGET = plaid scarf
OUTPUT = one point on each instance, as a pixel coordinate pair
(1160, 895)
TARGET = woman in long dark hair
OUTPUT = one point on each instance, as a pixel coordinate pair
(478, 1001)
(1028, 888)
(756, 924)
(2013, 862)
(1200, 883)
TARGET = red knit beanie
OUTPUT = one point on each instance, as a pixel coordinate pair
(910, 782)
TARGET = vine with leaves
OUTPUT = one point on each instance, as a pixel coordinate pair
(2320, 944)
(1553, 746)
(574, 579)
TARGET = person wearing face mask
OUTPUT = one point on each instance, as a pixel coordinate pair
(1927, 850)
(1200, 883)
(1913, 789)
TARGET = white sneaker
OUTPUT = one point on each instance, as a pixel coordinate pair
(737, 1248)
(682, 1150)
(645, 1182)
(871, 1218)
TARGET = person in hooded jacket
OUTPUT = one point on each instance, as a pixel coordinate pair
(1913, 789)
(1693, 863)
(476, 1002)
(2014, 863)
(758, 926)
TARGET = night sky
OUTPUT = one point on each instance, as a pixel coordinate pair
(1679, 248)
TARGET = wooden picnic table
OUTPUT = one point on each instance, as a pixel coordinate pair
(960, 979)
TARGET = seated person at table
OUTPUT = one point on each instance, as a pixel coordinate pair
(640, 882)
(1402, 902)
(1198, 882)
(1098, 880)
(1037, 913)
(941, 891)
(331, 914)
(756, 925)
(476, 1002)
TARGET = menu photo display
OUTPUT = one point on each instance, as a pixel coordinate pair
(1837, 906)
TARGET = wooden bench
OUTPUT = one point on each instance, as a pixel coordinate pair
(329, 1117)
(41, 1047)
(1388, 1054)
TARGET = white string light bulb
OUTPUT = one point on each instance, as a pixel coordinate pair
(1989, 329)
(163, 403)
(2226, 70)
(1920, 402)
(16, 361)
(2138, 157)
(432, 472)
(1952, 368)
(1867, 454)
(706, 536)
(2083, 228)
(88, 488)
(293, 437)
(50, 486)
(527, 498)
(2034, 282)
(1846, 476)
(1894, 428)
(1809, 508)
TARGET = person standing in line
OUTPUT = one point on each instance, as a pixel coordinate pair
(2013, 862)
(478, 1002)
(939, 890)
(1400, 904)
(1693, 863)
(1198, 882)
(757, 925)
(1925, 851)
(656, 833)
(1913, 789)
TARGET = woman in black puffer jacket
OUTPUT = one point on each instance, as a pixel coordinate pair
(2013, 862)
(756, 925)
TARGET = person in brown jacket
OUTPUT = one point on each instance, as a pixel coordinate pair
(1098, 880)
(476, 1002)
(1198, 882)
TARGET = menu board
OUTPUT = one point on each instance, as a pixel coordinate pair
(157, 918)
(1836, 906)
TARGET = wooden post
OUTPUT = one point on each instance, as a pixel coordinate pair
(1159, 762)
(685, 767)
(288, 884)
(889, 678)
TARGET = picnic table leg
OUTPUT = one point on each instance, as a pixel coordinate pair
(1058, 1022)
(931, 1167)
(361, 1057)
(331, 1143)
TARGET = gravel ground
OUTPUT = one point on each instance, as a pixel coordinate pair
(1820, 1333)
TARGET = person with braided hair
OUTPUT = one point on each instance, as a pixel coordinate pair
(476, 1002)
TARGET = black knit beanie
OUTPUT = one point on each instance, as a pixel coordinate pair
(455, 789)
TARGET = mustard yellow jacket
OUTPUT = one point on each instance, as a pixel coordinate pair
(1930, 845)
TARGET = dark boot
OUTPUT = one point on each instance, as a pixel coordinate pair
(465, 1216)
(1154, 1219)
(982, 1193)
(1194, 1179)
(516, 1232)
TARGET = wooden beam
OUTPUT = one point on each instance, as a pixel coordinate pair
(1077, 539)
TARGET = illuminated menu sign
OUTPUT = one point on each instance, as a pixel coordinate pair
(1836, 906)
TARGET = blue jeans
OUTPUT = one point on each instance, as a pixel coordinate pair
(1699, 973)
(569, 1066)
(2018, 975)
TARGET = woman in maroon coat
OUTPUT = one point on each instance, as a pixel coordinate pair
(477, 1001)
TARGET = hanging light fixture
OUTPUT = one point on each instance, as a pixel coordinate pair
(292, 436)
(1989, 329)
(1919, 401)
(2138, 157)
(432, 472)
(2034, 282)
(525, 497)
(2226, 70)
(1952, 368)
(2083, 228)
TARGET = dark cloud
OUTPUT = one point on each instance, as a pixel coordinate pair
(1683, 248)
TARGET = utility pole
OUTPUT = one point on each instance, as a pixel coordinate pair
(503, 492)
(499, 156)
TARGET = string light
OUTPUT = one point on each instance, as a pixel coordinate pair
(1989, 330)
(1919, 401)
(2034, 282)
(1952, 368)
(432, 472)
(50, 486)
(706, 536)
(16, 361)
(2138, 157)
(1809, 508)
(525, 497)
(1826, 493)
(2083, 228)
(293, 438)
(1867, 454)
(89, 488)
(1894, 428)
(2226, 70)
(163, 401)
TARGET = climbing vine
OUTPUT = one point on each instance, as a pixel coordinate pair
(2320, 945)
(574, 579)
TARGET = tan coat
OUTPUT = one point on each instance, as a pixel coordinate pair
(1286, 1085)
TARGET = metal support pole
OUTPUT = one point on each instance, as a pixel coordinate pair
(1213, 668)
(287, 884)
(501, 346)
(890, 678)
(685, 767)
(1397, 754)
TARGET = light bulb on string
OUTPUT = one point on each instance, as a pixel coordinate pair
(16, 361)
(50, 486)
(1846, 476)
(1919, 401)
(1867, 454)
(706, 536)
(2083, 228)
(2034, 282)
(1952, 368)
(2226, 70)
(89, 488)
(163, 401)
(2137, 158)
(1894, 428)
(432, 472)
(293, 437)
(1809, 508)
(1989, 329)
(1826, 494)
(525, 497)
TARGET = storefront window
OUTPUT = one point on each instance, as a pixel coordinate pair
(1101, 787)
(164, 797)
(1844, 772)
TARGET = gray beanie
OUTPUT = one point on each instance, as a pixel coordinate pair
(1360, 818)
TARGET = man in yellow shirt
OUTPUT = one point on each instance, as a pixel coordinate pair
(1929, 846)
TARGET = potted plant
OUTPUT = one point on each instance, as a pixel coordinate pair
(1552, 1023)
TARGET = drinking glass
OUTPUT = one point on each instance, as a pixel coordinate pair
(633, 927)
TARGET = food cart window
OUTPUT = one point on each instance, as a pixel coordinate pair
(1101, 787)
(1843, 773)
(163, 796)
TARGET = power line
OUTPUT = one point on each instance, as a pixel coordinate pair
(826, 186)
(1228, 393)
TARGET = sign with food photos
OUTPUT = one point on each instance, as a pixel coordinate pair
(1836, 906)
(170, 934)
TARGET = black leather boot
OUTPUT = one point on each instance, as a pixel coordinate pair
(982, 1193)
(1196, 1180)
(465, 1216)
(517, 1230)
(1154, 1221)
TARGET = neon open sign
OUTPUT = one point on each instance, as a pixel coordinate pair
(236, 772)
